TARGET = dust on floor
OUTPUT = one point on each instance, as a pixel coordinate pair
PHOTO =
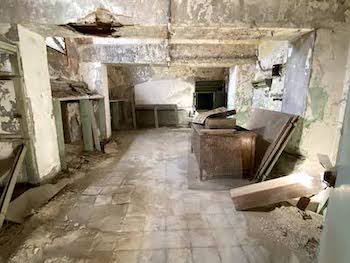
(135, 206)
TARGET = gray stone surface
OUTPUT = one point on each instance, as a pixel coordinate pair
(163, 222)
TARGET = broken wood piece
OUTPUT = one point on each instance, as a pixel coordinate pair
(33, 199)
(283, 132)
(312, 206)
(95, 130)
(274, 191)
(303, 203)
(10, 186)
(280, 148)
(218, 112)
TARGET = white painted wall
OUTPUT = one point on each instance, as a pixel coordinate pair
(231, 92)
(39, 101)
(170, 91)
(95, 75)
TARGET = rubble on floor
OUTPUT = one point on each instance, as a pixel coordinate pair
(136, 207)
(287, 226)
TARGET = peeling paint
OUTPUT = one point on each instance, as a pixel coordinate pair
(318, 101)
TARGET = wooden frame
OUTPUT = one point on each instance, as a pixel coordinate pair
(86, 110)
(158, 107)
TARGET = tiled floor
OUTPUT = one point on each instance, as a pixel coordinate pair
(141, 210)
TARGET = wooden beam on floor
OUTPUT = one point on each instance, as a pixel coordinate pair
(275, 191)
(10, 186)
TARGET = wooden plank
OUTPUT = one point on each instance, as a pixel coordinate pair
(279, 149)
(8, 48)
(274, 148)
(10, 136)
(101, 115)
(22, 110)
(271, 127)
(133, 113)
(10, 186)
(75, 98)
(95, 130)
(275, 191)
(115, 115)
(86, 123)
(156, 124)
(176, 115)
(57, 111)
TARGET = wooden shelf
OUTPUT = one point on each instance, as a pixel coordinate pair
(10, 137)
(93, 97)
(8, 76)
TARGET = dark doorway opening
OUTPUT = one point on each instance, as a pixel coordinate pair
(205, 101)
(209, 95)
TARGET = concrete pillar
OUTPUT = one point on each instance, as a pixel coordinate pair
(95, 75)
(335, 241)
(39, 109)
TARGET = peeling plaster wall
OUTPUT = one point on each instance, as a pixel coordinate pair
(160, 85)
(64, 65)
(150, 12)
(8, 122)
(326, 95)
(266, 13)
(270, 53)
(95, 75)
(298, 75)
(243, 99)
(241, 13)
(39, 103)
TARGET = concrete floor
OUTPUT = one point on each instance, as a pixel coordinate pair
(136, 207)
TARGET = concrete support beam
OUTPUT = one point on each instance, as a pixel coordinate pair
(134, 53)
(196, 55)
(38, 99)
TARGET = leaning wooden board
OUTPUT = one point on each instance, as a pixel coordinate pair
(272, 128)
(276, 153)
(275, 149)
(275, 191)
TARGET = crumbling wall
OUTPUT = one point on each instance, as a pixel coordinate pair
(160, 85)
(326, 96)
(298, 73)
(64, 66)
(244, 92)
(263, 13)
(8, 121)
(270, 53)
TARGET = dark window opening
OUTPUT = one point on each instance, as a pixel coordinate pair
(205, 101)
(276, 70)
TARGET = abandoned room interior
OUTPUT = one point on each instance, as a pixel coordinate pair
(175, 131)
